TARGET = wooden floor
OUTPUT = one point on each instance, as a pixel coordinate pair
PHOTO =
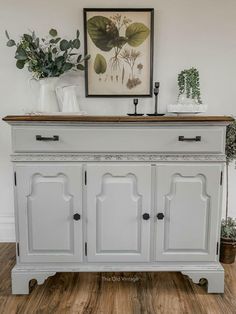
(120, 293)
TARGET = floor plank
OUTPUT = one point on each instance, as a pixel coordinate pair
(114, 293)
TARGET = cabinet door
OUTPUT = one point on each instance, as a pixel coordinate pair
(48, 196)
(189, 197)
(117, 197)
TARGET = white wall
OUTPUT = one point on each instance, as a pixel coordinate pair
(199, 33)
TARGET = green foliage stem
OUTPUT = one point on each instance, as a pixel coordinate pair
(47, 57)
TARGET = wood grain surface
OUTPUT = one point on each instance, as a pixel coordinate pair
(118, 293)
(119, 119)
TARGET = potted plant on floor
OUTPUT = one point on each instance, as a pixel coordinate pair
(47, 59)
(228, 225)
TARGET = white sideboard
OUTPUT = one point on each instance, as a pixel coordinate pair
(117, 194)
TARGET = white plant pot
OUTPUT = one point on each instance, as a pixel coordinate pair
(187, 109)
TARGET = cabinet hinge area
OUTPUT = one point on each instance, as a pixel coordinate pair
(15, 182)
(85, 178)
(18, 248)
(85, 248)
(217, 248)
(221, 178)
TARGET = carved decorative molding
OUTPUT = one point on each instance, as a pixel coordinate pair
(117, 157)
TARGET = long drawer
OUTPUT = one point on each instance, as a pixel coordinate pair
(173, 139)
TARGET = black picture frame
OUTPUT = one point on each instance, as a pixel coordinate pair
(149, 93)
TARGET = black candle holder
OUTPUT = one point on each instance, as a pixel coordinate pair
(156, 93)
(135, 109)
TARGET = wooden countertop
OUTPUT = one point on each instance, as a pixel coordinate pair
(117, 119)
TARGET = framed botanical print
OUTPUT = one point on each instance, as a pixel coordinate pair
(120, 43)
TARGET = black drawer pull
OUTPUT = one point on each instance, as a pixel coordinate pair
(47, 139)
(190, 139)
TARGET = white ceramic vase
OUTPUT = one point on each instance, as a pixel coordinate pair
(68, 99)
(47, 95)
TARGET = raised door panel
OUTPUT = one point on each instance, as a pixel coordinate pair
(188, 196)
(48, 197)
(117, 197)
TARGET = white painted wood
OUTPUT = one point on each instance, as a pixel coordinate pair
(48, 197)
(215, 279)
(119, 266)
(188, 196)
(131, 170)
(21, 279)
(117, 197)
(117, 139)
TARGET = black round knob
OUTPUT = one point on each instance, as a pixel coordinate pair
(146, 216)
(160, 216)
(76, 216)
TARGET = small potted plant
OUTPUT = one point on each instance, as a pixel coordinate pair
(228, 241)
(228, 225)
(47, 59)
(189, 98)
(189, 86)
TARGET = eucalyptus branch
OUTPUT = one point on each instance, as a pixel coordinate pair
(47, 57)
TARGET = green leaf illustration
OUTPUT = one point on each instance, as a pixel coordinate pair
(103, 32)
(100, 64)
(119, 42)
(136, 34)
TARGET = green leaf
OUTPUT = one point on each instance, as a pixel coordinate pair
(7, 35)
(136, 34)
(103, 32)
(20, 64)
(64, 45)
(87, 57)
(28, 38)
(67, 66)
(11, 43)
(57, 40)
(37, 42)
(70, 44)
(53, 32)
(80, 67)
(76, 43)
(20, 54)
(119, 42)
(77, 33)
(54, 50)
(100, 64)
(79, 58)
(33, 35)
(59, 61)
